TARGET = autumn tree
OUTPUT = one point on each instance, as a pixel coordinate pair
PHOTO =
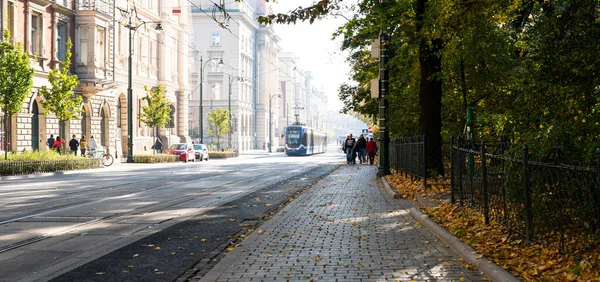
(60, 98)
(219, 123)
(157, 111)
(16, 80)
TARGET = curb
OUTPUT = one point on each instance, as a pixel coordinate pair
(490, 269)
(388, 189)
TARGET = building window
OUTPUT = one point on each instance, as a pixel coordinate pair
(61, 41)
(36, 34)
(101, 46)
(216, 39)
(83, 47)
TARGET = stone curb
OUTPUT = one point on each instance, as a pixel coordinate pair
(490, 269)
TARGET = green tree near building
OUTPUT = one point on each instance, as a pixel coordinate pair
(16, 80)
(60, 98)
(219, 123)
(157, 111)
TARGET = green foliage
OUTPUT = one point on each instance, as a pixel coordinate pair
(157, 158)
(528, 68)
(29, 162)
(60, 98)
(16, 74)
(222, 155)
(219, 122)
(156, 113)
(16, 79)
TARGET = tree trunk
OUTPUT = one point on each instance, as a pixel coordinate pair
(6, 136)
(430, 96)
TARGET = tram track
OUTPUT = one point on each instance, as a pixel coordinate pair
(274, 179)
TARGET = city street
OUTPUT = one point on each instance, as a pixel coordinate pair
(81, 224)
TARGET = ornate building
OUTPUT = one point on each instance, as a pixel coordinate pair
(100, 32)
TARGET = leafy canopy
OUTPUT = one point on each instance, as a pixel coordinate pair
(157, 111)
(60, 97)
(219, 122)
(16, 76)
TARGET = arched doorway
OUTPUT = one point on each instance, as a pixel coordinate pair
(86, 120)
(122, 121)
(35, 127)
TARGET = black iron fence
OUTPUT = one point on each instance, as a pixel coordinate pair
(29, 167)
(556, 204)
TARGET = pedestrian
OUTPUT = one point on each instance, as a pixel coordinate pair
(50, 142)
(348, 146)
(73, 145)
(371, 149)
(361, 145)
(82, 145)
(58, 143)
(92, 144)
(158, 145)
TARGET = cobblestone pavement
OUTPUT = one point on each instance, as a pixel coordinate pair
(344, 228)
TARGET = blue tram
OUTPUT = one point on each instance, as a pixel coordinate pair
(303, 141)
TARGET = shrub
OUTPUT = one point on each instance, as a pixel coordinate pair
(222, 155)
(157, 158)
(29, 162)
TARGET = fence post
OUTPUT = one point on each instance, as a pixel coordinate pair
(452, 167)
(486, 207)
(424, 162)
(598, 183)
(460, 163)
(527, 196)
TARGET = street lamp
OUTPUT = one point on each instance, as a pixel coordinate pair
(202, 66)
(270, 121)
(237, 78)
(132, 29)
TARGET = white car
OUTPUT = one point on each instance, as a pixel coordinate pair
(201, 152)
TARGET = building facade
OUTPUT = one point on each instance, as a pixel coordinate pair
(100, 31)
(235, 69)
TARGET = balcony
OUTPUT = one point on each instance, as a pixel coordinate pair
(101, 6)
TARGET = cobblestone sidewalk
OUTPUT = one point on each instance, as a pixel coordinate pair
(344, 228)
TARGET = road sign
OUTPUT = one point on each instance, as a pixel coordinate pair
(365, 131)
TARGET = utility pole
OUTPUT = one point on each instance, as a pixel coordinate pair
(384, 137)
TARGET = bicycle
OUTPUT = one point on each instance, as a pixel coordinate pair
(105, 157)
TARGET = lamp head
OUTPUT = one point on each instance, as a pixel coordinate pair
(159, 26)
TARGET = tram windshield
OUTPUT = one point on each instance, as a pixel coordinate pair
(293, 137)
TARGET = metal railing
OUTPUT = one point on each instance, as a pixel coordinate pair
(555, 204)
(30, 167)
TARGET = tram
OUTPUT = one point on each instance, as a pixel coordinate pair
(303, 141)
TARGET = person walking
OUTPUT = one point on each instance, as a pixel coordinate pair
(348, 146)
(58, 144)
(82, 145)
(50, 142)
(73, 145)
(371, 149)
(158, 145)
(361, 145)
(92, 145)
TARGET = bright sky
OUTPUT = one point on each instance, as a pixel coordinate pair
(315, 49)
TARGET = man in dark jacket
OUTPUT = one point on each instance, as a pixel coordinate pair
(348, 146)
(50, 141)
(361, 145)
(73, 145)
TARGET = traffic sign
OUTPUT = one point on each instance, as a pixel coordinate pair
(365, 131)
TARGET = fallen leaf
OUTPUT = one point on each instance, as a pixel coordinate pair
(136, 255)
(203, 240)
(157, 248)
(100, 273)
(286, 277)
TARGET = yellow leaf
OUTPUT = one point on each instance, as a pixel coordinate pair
(100, 273)
(462, 279)
(317, 259)
(267, 251)
(345, 265)
(203, 240)
(232, 219)
(286, 277)
(260, 231)
(130, 266)
(157, 248)
(230, 249)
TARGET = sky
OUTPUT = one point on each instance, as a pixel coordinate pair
(316, 51)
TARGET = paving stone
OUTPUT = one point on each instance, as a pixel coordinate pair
(345, 228)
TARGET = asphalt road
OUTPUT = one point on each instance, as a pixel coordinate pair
(142, 222)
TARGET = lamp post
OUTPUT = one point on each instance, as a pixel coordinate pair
(132, 29)
(202, 66)
(237, 78)
(270, 121)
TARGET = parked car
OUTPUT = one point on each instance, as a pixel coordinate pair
(185, 151)
(201, 152)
